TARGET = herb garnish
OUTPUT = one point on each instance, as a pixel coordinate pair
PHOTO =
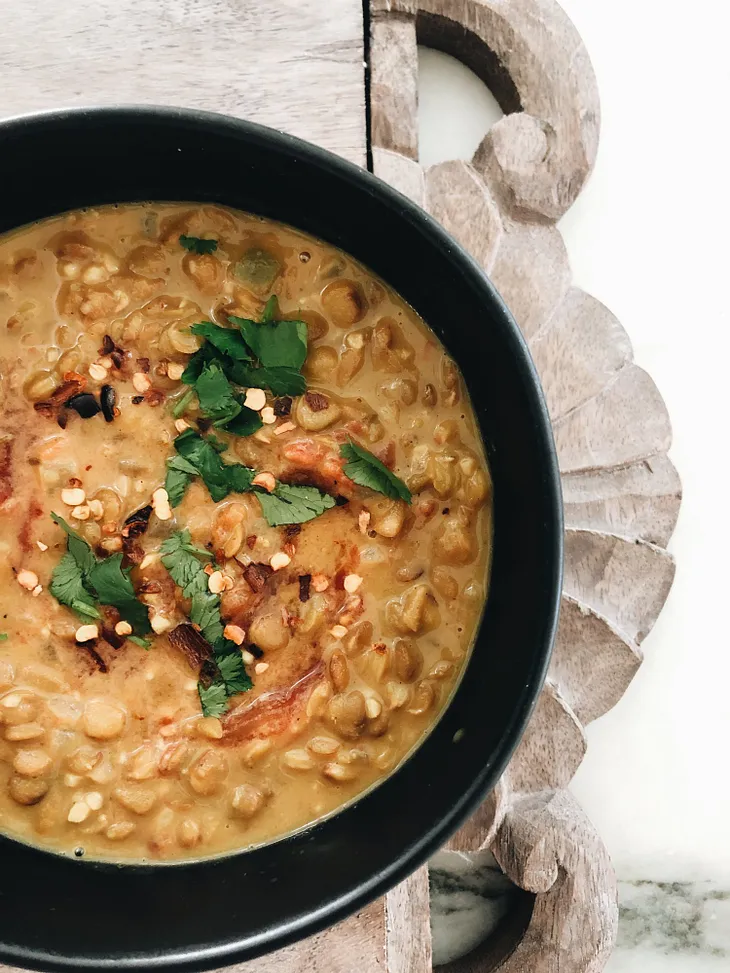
(81, 582)
(186, 564)
(268, 354)
(288, 504)
(366, 470)
(197, 245)
(3, 636)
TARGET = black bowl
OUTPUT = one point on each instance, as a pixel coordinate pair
(61, 914)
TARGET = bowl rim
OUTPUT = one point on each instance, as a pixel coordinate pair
(417, 852)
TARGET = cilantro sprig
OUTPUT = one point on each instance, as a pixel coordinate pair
(3, 636)
(367, 470)
(186, 563)
(81, 582)
(288, 504)
(267, 354)
(194, 244)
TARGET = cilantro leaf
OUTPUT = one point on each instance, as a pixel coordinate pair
(367, 470)
(228, 341)
(239, 477)
(183, 560)
(245, 423)
(67, 587)
(203, 456)
(280, 381)
(206, 614)
(213, 698)
(142, 643)
(293, 504)
(271, 310)
(281, 343)
(232, 670)
(3, 636)
(177, 480)
(197, 363)
(113, 587)
(79, 581)
(79, 549)
(215, 394)
(197, 245)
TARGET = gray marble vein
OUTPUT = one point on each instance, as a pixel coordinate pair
(664, 927)
(469, 898)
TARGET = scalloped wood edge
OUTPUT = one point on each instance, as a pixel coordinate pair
(612, 432)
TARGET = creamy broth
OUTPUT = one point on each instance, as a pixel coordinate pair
(352, 627)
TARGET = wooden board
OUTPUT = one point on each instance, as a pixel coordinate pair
(297, 65)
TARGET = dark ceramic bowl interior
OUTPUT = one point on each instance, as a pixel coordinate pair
(61, 914)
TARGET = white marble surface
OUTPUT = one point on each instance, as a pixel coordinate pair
(648, 237)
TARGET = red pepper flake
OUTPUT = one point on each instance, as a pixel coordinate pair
(305, 581)
(257, 575)
(95, 657)
(153, 397)
(144, 364)
(291, 530)
(316, 401)
(387, 455)
(251, 541)
(282, 406)
(137, 399)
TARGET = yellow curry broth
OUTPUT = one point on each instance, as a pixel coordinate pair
(353, 642)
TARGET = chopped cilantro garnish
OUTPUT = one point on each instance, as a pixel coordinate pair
(177, 480)
(206, 461)
(197, 245)
(278, 347)
(293, 504)
(228, 341)
(113, 587)
(367, 470)
(81, 582)
(276, 344)
(186, 564)
(215, 394)
(3, 636)
(183, 560)
(213, 698)
(142, 643)
(245, 423)
(288, 504)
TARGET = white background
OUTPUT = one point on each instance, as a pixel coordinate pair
(648, 237)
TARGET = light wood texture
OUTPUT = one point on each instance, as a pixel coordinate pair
(296, 65)
(611, 428)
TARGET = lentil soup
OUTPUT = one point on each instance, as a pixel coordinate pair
(244, 531)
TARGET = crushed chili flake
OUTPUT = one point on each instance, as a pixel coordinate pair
(291, 530)
(138, 522)
(95, 657)
(305, 581)
(257, 575)
(251, 541)
(282, 406)
(144, 364)
(137, 399)
(316, 401)
(117, 358)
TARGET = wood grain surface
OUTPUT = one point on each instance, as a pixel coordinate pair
(295, 65)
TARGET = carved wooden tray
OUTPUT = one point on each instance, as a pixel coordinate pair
(612, 431)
